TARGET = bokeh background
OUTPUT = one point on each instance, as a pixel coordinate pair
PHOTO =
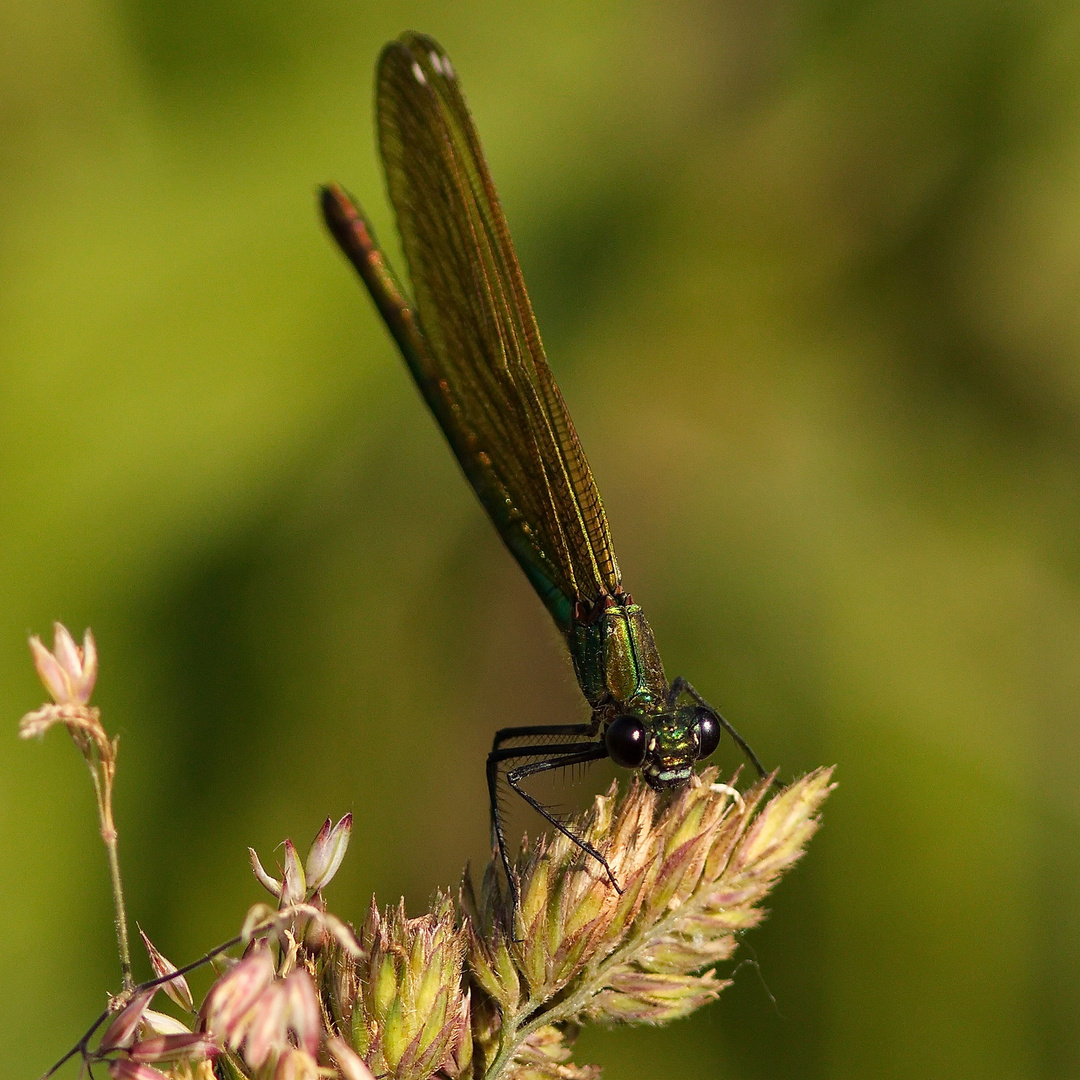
(808, 274)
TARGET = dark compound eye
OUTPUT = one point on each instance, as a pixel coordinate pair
(626, 742)
(708, 731)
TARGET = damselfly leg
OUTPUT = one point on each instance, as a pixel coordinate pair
(546, 758)
(680, 686)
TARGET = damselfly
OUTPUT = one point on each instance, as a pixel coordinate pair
(471, 342)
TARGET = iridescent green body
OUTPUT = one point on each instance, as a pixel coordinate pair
(620, 672)
(472, 345)
(616, 660)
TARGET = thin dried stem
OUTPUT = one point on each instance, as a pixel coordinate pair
(102, 772)
(69, 673)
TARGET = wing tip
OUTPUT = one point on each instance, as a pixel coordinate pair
(421, 53)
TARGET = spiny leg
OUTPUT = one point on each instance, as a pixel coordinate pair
(499, 755)
(526, 731)
(523, 772)
(570, 754)
(503, 734)
(681, 686)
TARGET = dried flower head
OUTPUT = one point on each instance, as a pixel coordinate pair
(69, 674)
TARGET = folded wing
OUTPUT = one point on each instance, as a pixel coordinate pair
(485, 374)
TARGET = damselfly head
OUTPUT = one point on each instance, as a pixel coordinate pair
(665, 745)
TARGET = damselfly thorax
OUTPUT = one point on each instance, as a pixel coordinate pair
(620, 672)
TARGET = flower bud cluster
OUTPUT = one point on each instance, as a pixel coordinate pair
(714, 874)
(402, 1003)
(301, 881)
(264, 1012)
(141, 1044)
(272, 1024)
(489, 989)
(691, 875)
(568, 908)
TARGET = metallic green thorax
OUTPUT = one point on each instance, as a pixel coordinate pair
(616, 660)
(620, 672)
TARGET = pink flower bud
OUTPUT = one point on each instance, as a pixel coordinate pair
(326, 853)
(293, 884)
(230, 998)
(268, 1031)
(121, 1032)
(177, 988)
(125, 1069)
(68, 672)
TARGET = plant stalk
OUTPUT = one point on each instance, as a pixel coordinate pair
(103, 792)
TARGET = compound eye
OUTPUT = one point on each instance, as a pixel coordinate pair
(708, 732)
(626, 742)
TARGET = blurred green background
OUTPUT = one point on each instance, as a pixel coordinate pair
(808, 275)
